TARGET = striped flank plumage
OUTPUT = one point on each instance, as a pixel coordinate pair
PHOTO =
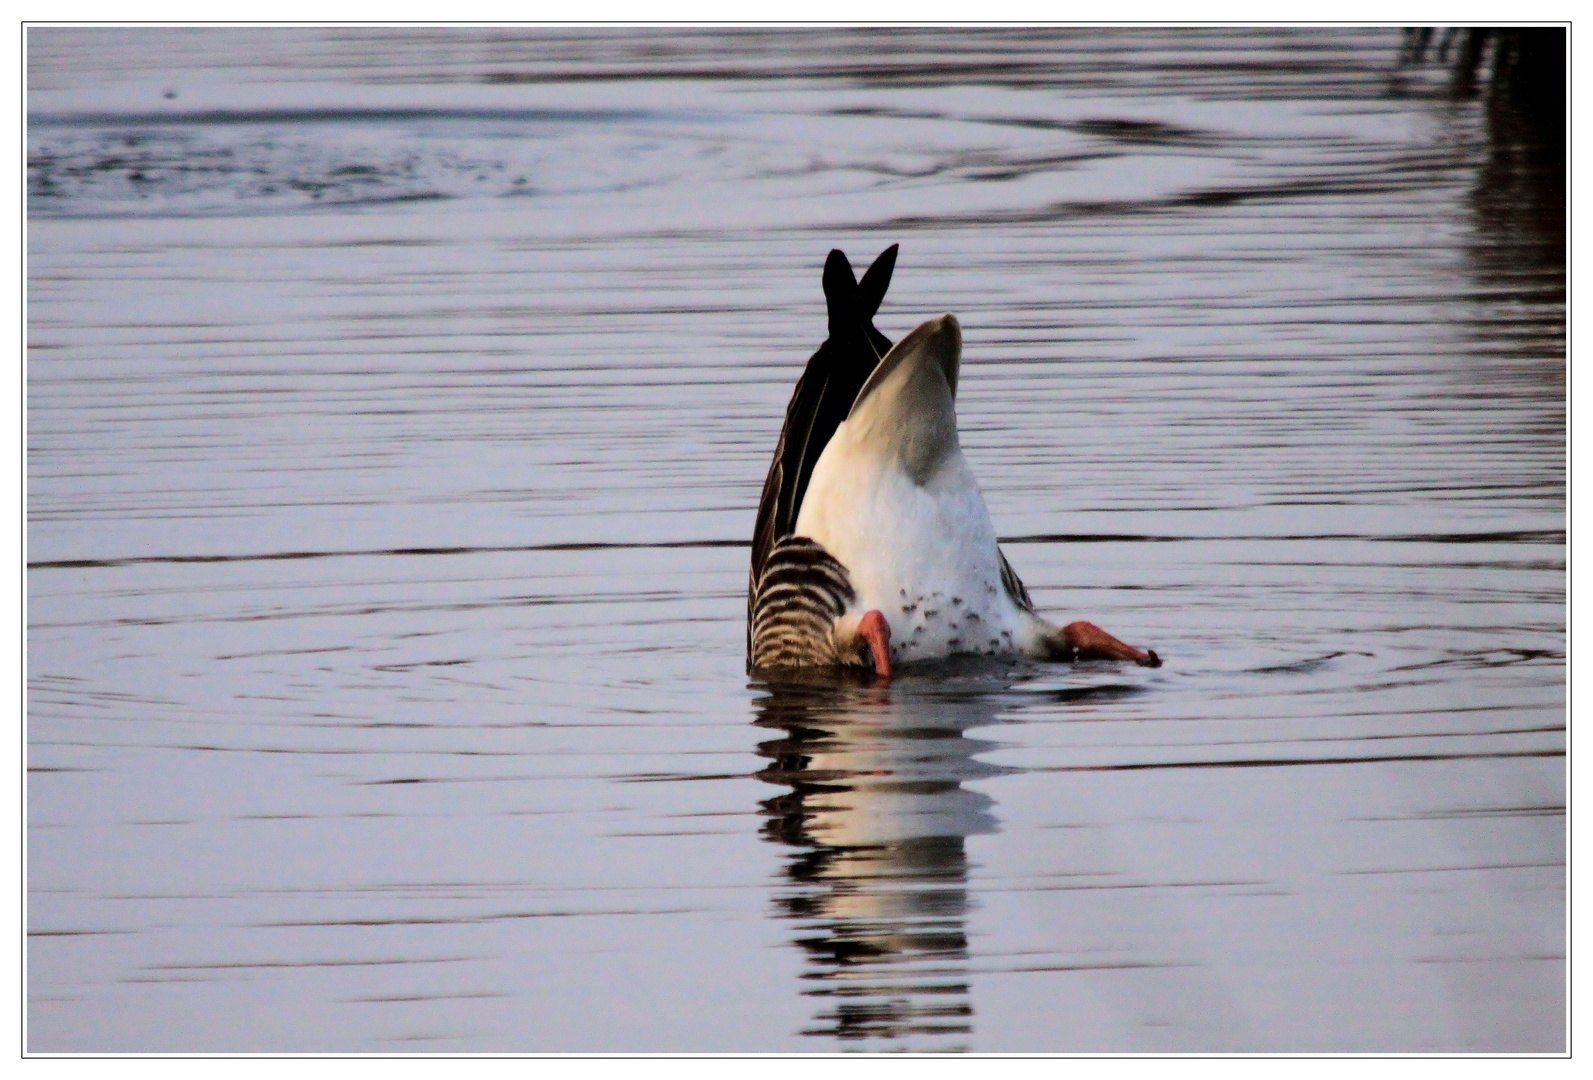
(798, 597)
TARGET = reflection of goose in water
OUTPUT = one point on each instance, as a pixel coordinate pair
(873, 545)
(879, 885)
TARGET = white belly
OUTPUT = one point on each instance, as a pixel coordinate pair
(924, 556)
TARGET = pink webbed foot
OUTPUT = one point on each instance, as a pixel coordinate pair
(877, 632)
(1089, 642)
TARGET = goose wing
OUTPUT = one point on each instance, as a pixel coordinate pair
(1014, 585)
(821, 400)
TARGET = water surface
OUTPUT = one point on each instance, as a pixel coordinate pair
(398, 404)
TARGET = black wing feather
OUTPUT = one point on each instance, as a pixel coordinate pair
(1013, 585)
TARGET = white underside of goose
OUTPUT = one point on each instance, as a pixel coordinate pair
(893, 500)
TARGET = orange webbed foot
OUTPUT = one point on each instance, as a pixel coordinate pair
(1089, 642)
(877, 632)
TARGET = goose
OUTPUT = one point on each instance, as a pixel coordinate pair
(873, 546)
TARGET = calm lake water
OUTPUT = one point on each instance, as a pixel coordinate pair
(398, 406)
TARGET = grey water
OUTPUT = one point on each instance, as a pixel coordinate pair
(398, 402)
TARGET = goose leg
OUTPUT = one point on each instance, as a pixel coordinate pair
(1086, 641)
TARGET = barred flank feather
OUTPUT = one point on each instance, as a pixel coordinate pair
(1014, 587)
(800, 594)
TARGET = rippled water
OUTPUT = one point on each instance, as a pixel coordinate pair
(398, 403)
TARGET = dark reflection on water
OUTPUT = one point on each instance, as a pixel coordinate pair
(1519, 206)
(879, 818)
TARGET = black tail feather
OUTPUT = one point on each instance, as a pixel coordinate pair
(878, 278)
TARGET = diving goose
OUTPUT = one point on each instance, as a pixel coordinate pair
(873, 546)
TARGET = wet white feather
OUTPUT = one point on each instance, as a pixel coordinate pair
(893, 499)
